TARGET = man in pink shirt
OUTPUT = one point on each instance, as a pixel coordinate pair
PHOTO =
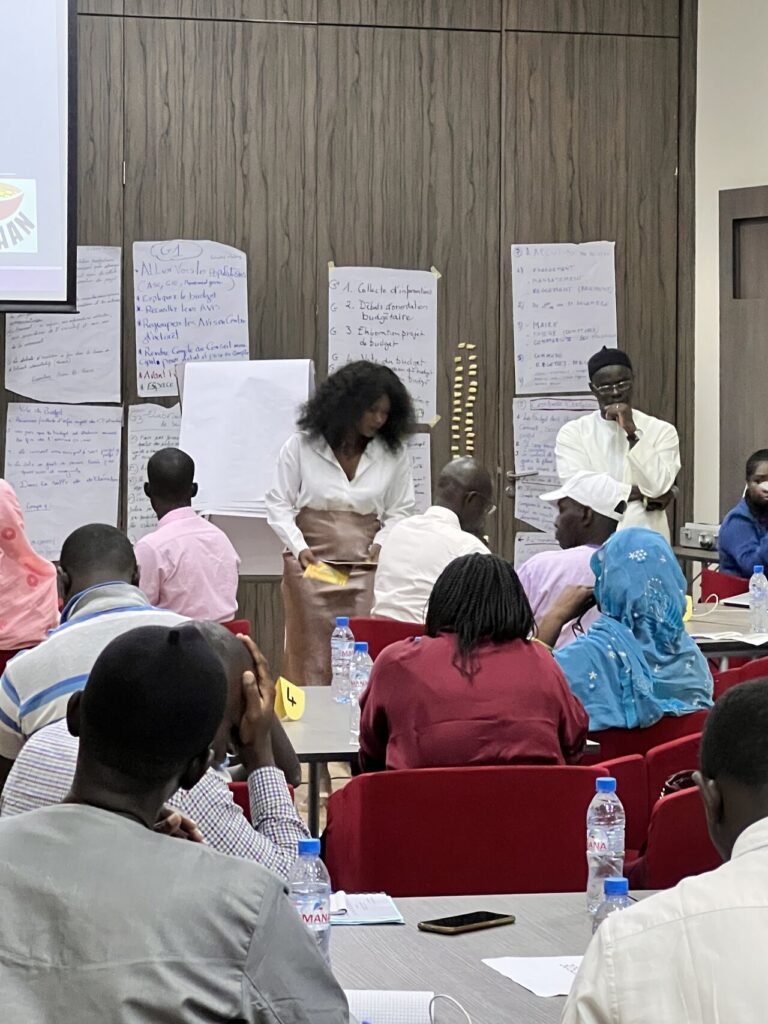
(187, 565)
(590, 507)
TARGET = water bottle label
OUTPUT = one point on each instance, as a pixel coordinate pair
(315, 914)
(597, 841)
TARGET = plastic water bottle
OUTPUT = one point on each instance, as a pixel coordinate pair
(309, 887)
(359, 675)
(342, 649)
(616, 898)
(605, 840)
(758, 601)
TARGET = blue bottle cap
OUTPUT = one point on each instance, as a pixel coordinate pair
(361, 645)
(605, 785)
(309, 847)
(758, 568)
(616, 886)
(342, 620)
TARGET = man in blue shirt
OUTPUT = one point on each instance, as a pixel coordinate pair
(743, 540)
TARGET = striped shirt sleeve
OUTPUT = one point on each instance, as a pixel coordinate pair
(11, 738)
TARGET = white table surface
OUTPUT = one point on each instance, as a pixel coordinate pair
(708, 618)
(401, 957)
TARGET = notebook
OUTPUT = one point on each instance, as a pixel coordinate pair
(378, 1006)
(737, 601)
(364, 908)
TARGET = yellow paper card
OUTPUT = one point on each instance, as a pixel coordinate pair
(326, 574)
(289, 700)
(688, 608)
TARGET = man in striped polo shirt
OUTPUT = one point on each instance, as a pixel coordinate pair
(98, 580)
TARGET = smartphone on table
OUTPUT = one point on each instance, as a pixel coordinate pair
(461, 923)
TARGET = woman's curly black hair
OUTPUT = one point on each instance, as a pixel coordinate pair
(478, 597)
(340, 401)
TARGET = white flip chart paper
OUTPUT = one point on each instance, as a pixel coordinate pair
(419, 452)
(530, 509)
(529, 544)
(150, 428)
(387, 316)
(536, 422)
(191, 303)
(64, 463)
(71, 357)
(564, 304)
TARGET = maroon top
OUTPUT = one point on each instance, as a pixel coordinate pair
(419, 711)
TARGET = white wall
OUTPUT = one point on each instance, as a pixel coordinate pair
(731, 152)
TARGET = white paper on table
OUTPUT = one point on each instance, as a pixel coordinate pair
(190, 303)
(380, 1006)
(150, 428)
(420, 454)
(235, 418)
(542, 975)
(536, 422)
(354, 908)
(71, 357)
(64, 463)
(755, 639)
(564, 303)
(529, 544)
(387, 316)
(530, 509)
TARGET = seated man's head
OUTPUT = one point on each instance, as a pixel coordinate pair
(95, 554)
(733, 780)
(590, 507)
(611, 378)
(465, 487)
(147, 719)
(478, 597)
(757, 480)
(170, 480)
(236, 660)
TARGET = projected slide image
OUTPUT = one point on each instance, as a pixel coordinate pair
(18, 215)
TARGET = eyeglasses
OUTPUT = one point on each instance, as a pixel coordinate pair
(609, 389)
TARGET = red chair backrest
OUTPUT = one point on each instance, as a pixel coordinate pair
(380, 633)
(618, 742)
(757, 669)
(632, 787)
(666, 759)
(678, 843)
(721, 584)
(238, 626)
(461, 831)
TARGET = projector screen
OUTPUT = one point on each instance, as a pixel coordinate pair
(38, 149)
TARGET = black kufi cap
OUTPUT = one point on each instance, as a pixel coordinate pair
(607, 357)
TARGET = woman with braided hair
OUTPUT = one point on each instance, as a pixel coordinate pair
(478, 689)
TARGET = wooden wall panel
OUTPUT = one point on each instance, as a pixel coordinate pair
(459, 14)
(259, 600)
(591, 153)
(99, 7)
(408, 142)
(623, 17)
(238, 10)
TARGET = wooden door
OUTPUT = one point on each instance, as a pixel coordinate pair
(743, 334)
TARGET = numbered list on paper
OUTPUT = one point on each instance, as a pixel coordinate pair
(564, 305)
(191, 303)
(390, 317)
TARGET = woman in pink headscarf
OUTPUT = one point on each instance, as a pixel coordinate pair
(29, 604)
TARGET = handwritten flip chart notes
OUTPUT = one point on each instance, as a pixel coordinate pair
(564, 301)
(387, 316)
(71, 357)
(529, 544)
(419, 453)
(536, 422)
(64, 463)
(150, 428)
(530, 509)
(191, 303)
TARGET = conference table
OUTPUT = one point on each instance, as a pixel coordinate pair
(322, 735)
(401, 957)
(711, 618)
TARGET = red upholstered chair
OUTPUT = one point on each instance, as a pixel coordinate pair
(238, 626)
(723, 681)
(380, 633)
(678, 844)
(632, 788)
(666, 759)
(461, 831)
(721, 585)
(618, 742)
(757, 669)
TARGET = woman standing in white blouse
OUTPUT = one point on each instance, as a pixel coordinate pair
(341, 483)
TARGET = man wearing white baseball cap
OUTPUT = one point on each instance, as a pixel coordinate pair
(590, 507)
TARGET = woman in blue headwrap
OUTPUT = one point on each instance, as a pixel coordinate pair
(637, 662)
